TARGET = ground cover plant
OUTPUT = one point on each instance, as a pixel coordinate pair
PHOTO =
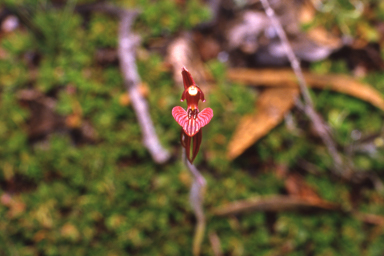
(77, 179)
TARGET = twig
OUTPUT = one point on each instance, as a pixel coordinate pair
(126, 52)
(215, 243)
(307, 107)
(279, 203)
(276, 203)
(196, 198)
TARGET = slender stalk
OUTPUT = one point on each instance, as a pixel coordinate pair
(307, 107)
(196, 199)
(126, 51)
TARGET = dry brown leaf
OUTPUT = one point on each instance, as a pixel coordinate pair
(324, 38)
(319, 35)
(298, 187)
(271, 203)
(272, 104)
(286, 78)
(307, 13)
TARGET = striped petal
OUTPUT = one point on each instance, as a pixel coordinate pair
(204, 117)
(190, 125)
(180, 115)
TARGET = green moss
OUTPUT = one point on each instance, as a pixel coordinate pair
(104, 195)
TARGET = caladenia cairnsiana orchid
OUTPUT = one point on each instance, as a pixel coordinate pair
(191, 120)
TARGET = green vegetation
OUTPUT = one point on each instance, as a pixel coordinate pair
(85, 185)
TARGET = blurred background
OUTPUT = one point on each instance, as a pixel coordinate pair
(76, 178)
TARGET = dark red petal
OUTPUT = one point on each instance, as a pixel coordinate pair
(186, 143)
(196, 145)
(187, 78)
(204, 117)
(201, 95)
(182, 138)
(184, 95)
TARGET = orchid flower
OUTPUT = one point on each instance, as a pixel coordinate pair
(191, 120)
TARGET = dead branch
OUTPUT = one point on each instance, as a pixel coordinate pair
(307, 106)
(279, 203)
(271, 203)
(126, 51)
(196, 198)
(216, 244)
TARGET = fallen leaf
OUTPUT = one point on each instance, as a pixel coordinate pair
(324, 38)
(307, 13)
(298, 187)
(286, 78)
(272, 105)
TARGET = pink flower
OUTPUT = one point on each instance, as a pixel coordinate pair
(191, 120)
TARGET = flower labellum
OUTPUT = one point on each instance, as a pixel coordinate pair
(191, 120)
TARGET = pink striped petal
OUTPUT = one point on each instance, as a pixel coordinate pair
(192, 126)
(180, 115)
(204, 117)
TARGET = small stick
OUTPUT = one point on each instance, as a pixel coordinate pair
(196, 198)
(215, 243)
(126, 51)
(307, 107)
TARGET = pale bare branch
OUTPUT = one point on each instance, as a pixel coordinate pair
(196, 198)
(126, 51)
(318, 123)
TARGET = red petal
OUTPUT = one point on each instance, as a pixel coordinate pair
(192, 126)
(186, 143)
(201, 95)
(196, 145)
(184, 95)
(180, 115)
(187, 78)
(204, 117)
